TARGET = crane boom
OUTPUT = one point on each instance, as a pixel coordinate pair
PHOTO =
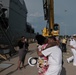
(48, 6)
(51, 15)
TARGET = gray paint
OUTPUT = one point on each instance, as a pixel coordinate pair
(17, 15)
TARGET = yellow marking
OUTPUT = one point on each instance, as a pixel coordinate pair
(2, 56)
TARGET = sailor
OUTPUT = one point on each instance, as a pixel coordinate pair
(73, 49)
(54, 54)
